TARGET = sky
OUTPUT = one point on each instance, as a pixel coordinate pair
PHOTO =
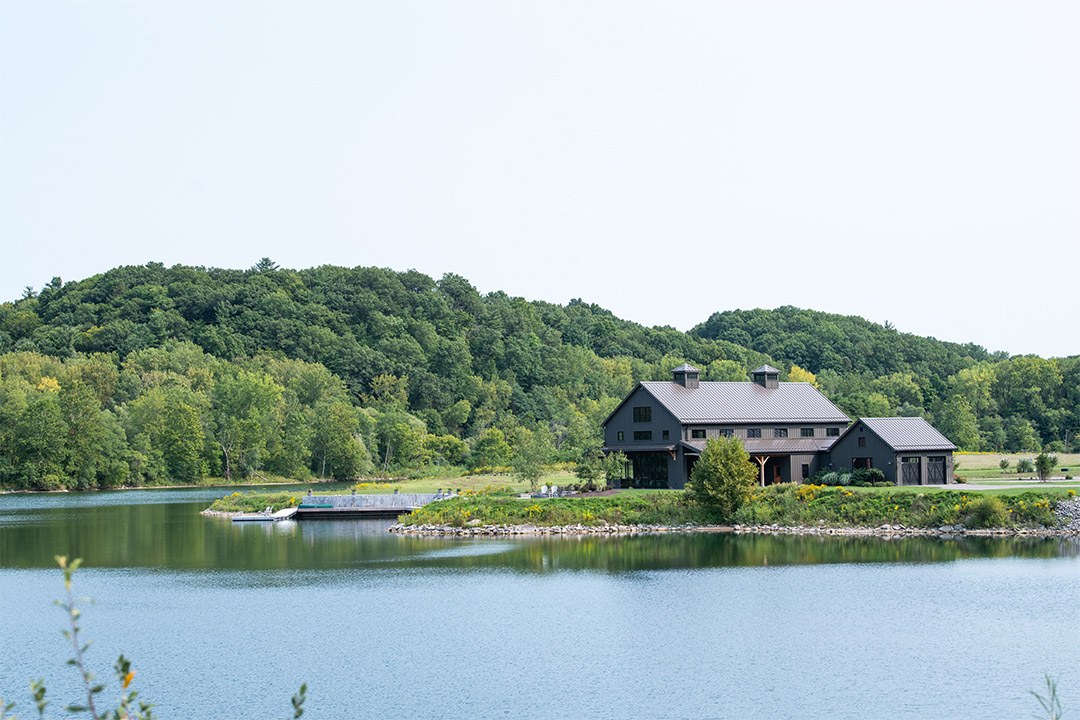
(909, 161)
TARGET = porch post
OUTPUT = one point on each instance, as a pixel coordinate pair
(762, 459)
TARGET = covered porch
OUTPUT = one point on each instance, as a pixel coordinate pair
(778, 460)
(651, 466)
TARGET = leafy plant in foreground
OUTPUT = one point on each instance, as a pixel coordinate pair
(1051, 704)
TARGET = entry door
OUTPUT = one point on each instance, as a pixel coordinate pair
(912, 471)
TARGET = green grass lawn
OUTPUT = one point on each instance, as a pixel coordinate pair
(467, 482)
(961, 487)
(1025, 480)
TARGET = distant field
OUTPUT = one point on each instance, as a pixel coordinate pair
(983, 466)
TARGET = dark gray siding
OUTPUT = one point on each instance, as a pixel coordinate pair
(882, 455)
(797, 461)
(623, 421)
(846, 449)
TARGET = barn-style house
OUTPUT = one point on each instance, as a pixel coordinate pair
(790, 430)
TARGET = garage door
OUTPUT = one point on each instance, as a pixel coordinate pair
(911, 472)
(935, 470)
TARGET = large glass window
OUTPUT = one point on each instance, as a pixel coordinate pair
(698, 434)
(643, 434)
(727, 432)
(650, 470)
(753, 432)
(643, 414)
(806, 432)
(779, 432)
(832, 432)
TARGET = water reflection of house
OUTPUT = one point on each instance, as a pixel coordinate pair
(790, 429)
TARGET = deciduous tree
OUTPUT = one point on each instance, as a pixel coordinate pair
(723, 477)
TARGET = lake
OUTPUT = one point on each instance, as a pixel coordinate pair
(226, 620)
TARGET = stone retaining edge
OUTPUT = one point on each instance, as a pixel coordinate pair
(946, 532)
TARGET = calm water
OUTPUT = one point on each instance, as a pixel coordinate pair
(226, 620)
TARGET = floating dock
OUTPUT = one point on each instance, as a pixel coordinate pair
(283, 514)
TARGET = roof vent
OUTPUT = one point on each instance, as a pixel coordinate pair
(686, 375)
(766, 376)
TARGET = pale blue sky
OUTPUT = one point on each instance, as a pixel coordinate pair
(911, 161)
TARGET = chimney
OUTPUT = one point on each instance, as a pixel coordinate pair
(687, 376)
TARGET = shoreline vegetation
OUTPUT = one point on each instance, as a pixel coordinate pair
(787, 509)
(976, 468)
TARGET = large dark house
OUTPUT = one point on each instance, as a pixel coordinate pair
(790, 429)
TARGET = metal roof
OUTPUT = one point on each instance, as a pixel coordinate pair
(908, 433)
(686, 368)
(766, 369)
(745, 402)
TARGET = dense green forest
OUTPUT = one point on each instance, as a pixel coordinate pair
(150, 374)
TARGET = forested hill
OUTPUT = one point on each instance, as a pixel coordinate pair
(845, 343)
(424, 371)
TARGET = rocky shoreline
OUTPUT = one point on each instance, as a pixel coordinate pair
(219, 513)
(1068, 511)
(946, 531)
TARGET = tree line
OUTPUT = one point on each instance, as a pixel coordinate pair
(152, 374)
(979, 400)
